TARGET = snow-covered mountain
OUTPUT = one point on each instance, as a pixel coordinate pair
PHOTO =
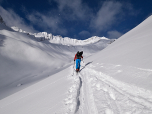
(2, 21)
(41, 36)
(3, 25)
(26, 60)
(18, 29)
(115, 80)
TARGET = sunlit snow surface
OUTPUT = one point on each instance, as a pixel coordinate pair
(116, 80)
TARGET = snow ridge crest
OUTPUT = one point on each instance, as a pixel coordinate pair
(41, 36)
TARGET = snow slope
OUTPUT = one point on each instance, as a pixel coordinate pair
(24, 60)
(120, 75)
(115, 80)
(129, 58)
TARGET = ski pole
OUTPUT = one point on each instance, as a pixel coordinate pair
(73, 68)
(74, 64)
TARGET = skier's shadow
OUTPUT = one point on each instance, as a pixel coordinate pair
(86, 65)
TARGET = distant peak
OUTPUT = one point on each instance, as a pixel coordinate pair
(41, 36)
(18, 29)
(2, 21)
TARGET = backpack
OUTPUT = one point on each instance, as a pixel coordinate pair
(79, 54)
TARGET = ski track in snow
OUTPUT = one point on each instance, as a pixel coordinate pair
(93, 92)
(80, 98)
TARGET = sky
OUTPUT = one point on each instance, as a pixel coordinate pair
(79, 19)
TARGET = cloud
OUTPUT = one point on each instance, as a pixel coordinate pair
(84, 34)
(67, 16)
(114, 34)
(47, 22)
(106, 16)
(73, 9)
(12, 19)
(67, 12)
(128, 7)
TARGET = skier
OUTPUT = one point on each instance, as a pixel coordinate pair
(78, 57)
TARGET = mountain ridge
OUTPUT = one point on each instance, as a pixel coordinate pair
(26, 59)
(41, 36)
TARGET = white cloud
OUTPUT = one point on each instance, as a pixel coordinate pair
(12, 19)
(106, 16)
(130, 10)
(114, 34)
(69, 10)
(73, 9)
(47, 22)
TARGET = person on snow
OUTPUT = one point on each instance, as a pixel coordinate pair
(78, 57)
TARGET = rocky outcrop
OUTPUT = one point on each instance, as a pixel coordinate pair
(2, 21)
